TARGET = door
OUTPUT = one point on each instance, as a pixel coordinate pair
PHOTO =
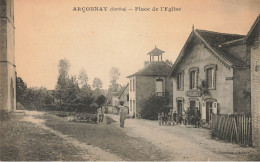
(179, 106)
(192, 107)
(12, 94)
(209, 106)
(159, 86)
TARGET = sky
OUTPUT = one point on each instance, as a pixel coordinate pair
(49, 30)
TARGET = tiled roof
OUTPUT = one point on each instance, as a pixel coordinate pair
(215, 39)
(154, 68)
(156, 52)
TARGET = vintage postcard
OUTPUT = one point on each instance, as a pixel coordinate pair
(129, 80)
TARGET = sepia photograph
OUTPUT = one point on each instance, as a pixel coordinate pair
(129, 80)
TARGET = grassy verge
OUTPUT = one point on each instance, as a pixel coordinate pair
(108, 137)
(24, 141)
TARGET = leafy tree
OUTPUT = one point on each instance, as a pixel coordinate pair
(83, 78)
(97, 83)
(85, 98)
(101, 100)
(60, 90)
(114, 75)
(154, 105)
(169, 62)
(21, 88)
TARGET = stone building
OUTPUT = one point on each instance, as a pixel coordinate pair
(212, 72)
(7, 59)
(151, 80)
(252, 40)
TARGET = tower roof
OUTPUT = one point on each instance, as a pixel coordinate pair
(156, 52)
(159, 68)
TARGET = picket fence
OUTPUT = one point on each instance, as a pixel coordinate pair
(233, 128)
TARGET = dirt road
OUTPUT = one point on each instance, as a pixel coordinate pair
(54, 138)
(187, 143)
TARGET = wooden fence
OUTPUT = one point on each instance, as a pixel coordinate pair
(233, 128)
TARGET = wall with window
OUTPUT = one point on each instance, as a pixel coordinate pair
(198, 65)
(132, 95)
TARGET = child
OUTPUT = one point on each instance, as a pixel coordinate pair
(159, 119)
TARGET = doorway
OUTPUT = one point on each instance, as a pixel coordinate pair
(12, 94)
(192, 107)
(179, 107)
(209, 106)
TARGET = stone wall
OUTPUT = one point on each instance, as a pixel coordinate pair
(255, 87)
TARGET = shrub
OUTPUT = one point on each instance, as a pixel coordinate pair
(154, 105)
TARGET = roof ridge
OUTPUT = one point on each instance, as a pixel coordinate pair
(209, 31)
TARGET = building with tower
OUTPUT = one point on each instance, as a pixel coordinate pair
(151, 80)
(7, 58)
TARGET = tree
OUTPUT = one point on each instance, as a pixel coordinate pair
(60, 90)
(154, 105)
(83, 78)
(85, 98)
(169, 62)
(114, 75)
(97, 83)
(101, 100)
(21, 88)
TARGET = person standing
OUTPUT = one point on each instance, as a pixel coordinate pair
(122, 118)
(159, 119)
(197, 118)
(174, 116)
(101, 116)
(98, 114)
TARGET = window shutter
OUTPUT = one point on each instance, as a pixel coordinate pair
(203, 110)
(215, 108)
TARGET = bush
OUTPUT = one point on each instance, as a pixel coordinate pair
(154, 105)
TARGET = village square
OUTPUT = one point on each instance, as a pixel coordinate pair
(204, 105)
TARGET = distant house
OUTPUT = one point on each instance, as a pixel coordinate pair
(151, 80)
(212, 72)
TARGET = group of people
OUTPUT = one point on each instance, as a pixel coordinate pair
(187, 117)
(100, 116)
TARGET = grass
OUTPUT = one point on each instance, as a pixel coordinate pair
(24, 141)
(107, 137)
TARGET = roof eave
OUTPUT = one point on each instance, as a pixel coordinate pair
(251, 29)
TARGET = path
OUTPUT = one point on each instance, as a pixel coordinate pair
(88, 152)
(182, 143)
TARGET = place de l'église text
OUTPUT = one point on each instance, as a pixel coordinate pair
(135, 9)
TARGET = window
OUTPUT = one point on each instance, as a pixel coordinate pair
(192, 79)
(210, 77)
(210, 71)
(180, 80)
(130, 85)
(193, 74)
(127, 97)
(133, 84)
(131, 104)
